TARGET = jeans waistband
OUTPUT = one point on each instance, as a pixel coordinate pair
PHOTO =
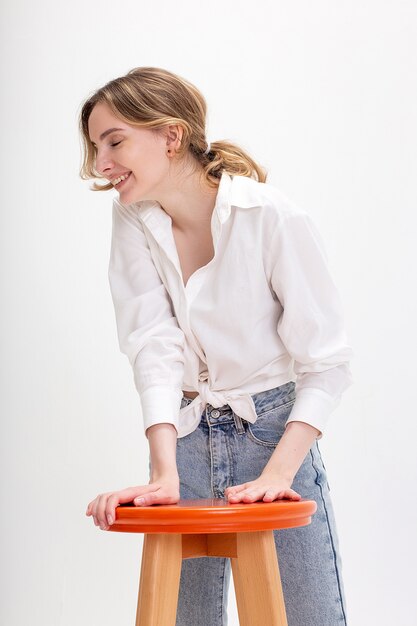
(263, 401)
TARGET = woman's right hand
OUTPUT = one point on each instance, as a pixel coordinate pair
(161, 491)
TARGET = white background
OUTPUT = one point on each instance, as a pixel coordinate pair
(323, 94)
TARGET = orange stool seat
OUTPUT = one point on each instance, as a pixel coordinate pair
(213, 528)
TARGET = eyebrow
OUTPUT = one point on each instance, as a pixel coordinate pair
(107, 132)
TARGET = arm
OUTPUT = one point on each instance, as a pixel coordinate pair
(291, 450)
(311, 327)
(149, 335)
(147, 328)
(163, 487)
(278, 474)
(163, 445)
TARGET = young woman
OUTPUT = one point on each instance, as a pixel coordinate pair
(234, 329)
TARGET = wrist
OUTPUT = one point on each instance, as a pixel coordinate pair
(276, 473)
(291, 450)
(162, 446)
(167, 476)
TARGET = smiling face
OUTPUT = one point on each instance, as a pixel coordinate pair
(139, 153)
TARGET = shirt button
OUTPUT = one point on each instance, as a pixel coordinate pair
(215, 413)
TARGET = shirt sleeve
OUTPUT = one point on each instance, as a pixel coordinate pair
(311, 325)
(147, 329)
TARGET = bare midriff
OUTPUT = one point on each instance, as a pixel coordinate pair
(190, 394)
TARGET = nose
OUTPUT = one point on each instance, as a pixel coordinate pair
(104, 163)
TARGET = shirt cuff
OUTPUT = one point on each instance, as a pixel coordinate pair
(314, 407)
(160, 405)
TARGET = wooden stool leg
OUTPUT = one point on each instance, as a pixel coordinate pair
(159, 580)
(257, 581)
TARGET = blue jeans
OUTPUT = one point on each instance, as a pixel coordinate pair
(225, 450)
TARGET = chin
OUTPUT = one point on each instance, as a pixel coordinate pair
(130, 196)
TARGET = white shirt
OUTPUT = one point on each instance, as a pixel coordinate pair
(264, 311)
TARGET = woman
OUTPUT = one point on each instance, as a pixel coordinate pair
(234, 329)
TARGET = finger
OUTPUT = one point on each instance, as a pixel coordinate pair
(253, 494)
(128, 495)
(166, 495)
(93, 510)
(159, 496)
(123, 496)
(233, 491)
(273, 494)
(110, 511)
(248, 494)
(90, 507)
(96, 503)
(106, 510)
(132, 492)
(291, 494)
(101, 510)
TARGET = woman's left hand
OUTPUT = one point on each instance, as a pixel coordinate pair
(267, 487)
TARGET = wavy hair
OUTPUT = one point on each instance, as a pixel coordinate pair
(152, 97)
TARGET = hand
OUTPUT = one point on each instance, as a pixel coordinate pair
(268, 487)
(162, 491)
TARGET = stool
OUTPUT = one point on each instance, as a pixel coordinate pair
(213, 528)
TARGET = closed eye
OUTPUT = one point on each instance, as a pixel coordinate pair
(115, 144)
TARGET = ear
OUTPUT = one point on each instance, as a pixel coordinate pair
(174, 134)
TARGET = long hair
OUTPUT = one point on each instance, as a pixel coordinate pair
(152, 97)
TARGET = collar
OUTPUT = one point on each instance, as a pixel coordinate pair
(237, 191)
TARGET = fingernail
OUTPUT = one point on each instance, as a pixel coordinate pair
(110, 519)
(140, 501)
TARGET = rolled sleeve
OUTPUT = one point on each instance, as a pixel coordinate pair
(160, 404)
(311, 325)
(147, 329)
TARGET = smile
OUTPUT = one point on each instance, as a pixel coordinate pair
(117, 182)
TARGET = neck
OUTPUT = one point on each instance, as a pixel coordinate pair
(188, 200)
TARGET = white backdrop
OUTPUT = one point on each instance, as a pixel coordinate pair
(324, 95)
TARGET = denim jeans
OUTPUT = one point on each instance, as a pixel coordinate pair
(225, 450)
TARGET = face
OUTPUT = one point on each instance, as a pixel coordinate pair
(139, 153)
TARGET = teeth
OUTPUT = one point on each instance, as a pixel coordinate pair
(116, 181)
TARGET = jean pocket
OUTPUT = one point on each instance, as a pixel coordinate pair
(270, 425)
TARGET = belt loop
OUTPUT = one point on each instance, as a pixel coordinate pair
(239, 424)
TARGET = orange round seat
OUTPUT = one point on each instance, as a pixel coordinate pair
(212, 528)
(213, 516)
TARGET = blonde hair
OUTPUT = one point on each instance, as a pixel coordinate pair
(152, 97)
